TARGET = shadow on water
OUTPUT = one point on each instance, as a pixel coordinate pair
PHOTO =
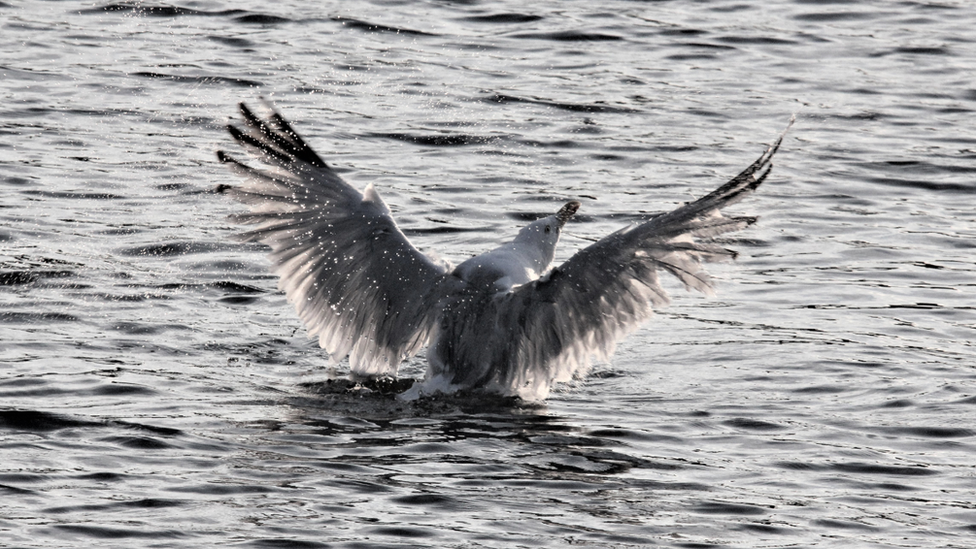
(379, 398)
(504, 438)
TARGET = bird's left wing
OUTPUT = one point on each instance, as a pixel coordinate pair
(559, 323)
(357, 283)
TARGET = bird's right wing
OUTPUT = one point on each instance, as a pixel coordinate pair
(355, 280)
(578, 312)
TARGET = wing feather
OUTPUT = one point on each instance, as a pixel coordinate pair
(357, 283)
(557, 325)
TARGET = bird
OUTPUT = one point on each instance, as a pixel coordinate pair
(506, 322)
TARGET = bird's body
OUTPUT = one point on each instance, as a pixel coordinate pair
(503, 321)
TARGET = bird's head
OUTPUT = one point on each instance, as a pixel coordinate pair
(544, 233)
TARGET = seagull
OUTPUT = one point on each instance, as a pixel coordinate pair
(506, 321)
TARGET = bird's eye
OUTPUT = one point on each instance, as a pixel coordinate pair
(548, 228)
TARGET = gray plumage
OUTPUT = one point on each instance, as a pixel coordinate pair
(504, 321)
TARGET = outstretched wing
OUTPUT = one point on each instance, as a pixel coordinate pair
(357, 283)
(559, 323)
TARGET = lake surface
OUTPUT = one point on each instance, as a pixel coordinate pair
(156, 390)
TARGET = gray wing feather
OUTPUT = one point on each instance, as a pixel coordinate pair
(357, 283)
(561, 322)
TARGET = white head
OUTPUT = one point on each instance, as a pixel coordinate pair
(543, 235)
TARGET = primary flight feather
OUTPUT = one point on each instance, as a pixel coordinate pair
(505, 321)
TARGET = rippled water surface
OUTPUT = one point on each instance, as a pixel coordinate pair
(157, 391)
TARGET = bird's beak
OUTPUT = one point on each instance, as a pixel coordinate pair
(567, 211)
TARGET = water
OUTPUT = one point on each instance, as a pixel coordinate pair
(156, 390)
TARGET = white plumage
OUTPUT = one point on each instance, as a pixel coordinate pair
(503, 321)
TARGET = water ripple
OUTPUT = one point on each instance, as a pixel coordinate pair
(157, 387)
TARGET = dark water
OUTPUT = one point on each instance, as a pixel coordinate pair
(156, 391)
